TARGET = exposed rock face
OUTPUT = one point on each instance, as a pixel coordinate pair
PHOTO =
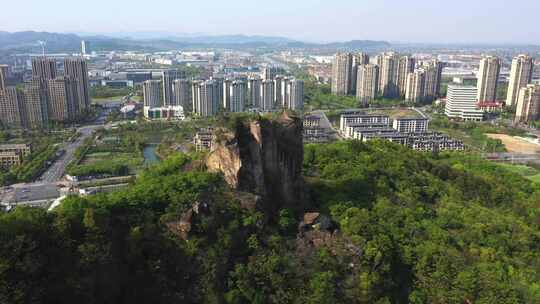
(182, 227)
(263, 157)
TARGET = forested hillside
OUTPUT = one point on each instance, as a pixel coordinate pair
(400, 227)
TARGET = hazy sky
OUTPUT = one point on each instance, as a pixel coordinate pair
(484, 21)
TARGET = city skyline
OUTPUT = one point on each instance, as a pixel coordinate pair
(480, 22)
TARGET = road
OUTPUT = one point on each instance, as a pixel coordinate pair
(57, 170)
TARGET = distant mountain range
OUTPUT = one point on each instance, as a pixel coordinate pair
(59, 42)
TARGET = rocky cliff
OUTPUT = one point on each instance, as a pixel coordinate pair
(263, 157)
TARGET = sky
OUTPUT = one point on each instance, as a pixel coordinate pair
(408, 21)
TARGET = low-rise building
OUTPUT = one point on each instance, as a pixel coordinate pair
(312, 121)
(347, 119)
(408, 125)
(315, 135)
(461, 102)
(395, 137)
(203, 139)
(351, 128)
(23, 149)
(434, 141)
(9, 159)
(164, 113)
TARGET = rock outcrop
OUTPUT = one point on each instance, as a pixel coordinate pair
(263, 157)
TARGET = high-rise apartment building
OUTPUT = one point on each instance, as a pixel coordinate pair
(433, 74)
(3, 76)
(528, 104)
(44, 68)
(520, 77)
(35, 105)
(488, 76)
(285, 94)
(227, 83)
(388, 75)
(182, 94)
(11, 108)
(62, 99)
(358, 60)
(406, 65)
(367, 83)
(414, 88)
(254, 92)
(267, 95)
(206, 98)
(295, 90)
(237, 94)
(85, 47)
(270, 72)
(278, 91)
(461, 103)
(77, 70)
(341, 74)
(167, 79)
(151, 92)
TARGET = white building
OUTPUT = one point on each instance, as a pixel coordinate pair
(411, 125)
(461, 102)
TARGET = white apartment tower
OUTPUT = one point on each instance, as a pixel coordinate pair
(206, 98)
(151, 89)
(520, 77)
(488, 76)
(296, 94)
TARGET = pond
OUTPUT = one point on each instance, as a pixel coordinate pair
(150, 156)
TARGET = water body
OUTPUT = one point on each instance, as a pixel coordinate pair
(150, 156)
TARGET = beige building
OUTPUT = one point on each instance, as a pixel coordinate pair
(23, 149)
(77, 70)
(367, 83)
(528, 104)
(44, 68)
(35, 105)
(414, 88)
(9, 159)
(488, 76)
(62, 99)
(520, 77)
(341, 74)
(406, 65)
(358, 60)
(388, 75)
(11, 108)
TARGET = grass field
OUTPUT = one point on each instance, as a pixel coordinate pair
(525, 171)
